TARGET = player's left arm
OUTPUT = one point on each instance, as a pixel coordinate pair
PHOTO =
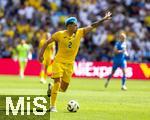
(54, 52)
(97, 23)
(48, 41)
(48, 36)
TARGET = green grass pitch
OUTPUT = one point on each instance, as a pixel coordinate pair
(96, 102)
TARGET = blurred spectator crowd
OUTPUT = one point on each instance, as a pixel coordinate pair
(29, 19)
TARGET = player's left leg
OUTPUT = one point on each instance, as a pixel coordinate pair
(63, 87)
(111, 74)
(124, 76)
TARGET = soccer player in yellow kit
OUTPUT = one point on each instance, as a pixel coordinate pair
(48, 58)
(68, 44)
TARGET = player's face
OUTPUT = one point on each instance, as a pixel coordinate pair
(23, 42)
(122, 37)
(72, 27)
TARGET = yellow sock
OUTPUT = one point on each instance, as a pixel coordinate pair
(42, 74)
(54, 92)
(45, 76)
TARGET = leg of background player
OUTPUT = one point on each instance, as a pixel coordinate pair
(43, 73)
(22, 68)
(124, 80)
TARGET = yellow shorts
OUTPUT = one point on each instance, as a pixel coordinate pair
(62, 70)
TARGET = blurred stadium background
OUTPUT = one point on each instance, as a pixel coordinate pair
(29, 19)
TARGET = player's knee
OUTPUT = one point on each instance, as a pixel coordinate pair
(63, 88)
(57, 80)
(124, 76)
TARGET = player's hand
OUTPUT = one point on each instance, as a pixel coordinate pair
(108, 16)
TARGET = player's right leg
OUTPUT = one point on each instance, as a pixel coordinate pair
(54, 91)
(59, 85)
(57, 74)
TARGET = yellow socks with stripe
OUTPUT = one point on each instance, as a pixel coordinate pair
(54, 92)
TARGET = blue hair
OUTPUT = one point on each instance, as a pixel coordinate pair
(71, 20)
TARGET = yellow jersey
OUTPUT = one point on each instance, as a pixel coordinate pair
(67, 45)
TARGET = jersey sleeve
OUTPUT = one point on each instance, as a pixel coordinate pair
(81, 32)
(56, 36)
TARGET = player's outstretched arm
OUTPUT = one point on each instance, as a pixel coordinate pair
(48, 41)
(97, 23)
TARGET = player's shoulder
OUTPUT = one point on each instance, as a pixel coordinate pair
(58, 35)
(80, 29)
(26, 45)
(60, 32)
(117, 42)
(80, 32)
(124, 44)
(17, 47)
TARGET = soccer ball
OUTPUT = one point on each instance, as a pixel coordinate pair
(73, 106)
